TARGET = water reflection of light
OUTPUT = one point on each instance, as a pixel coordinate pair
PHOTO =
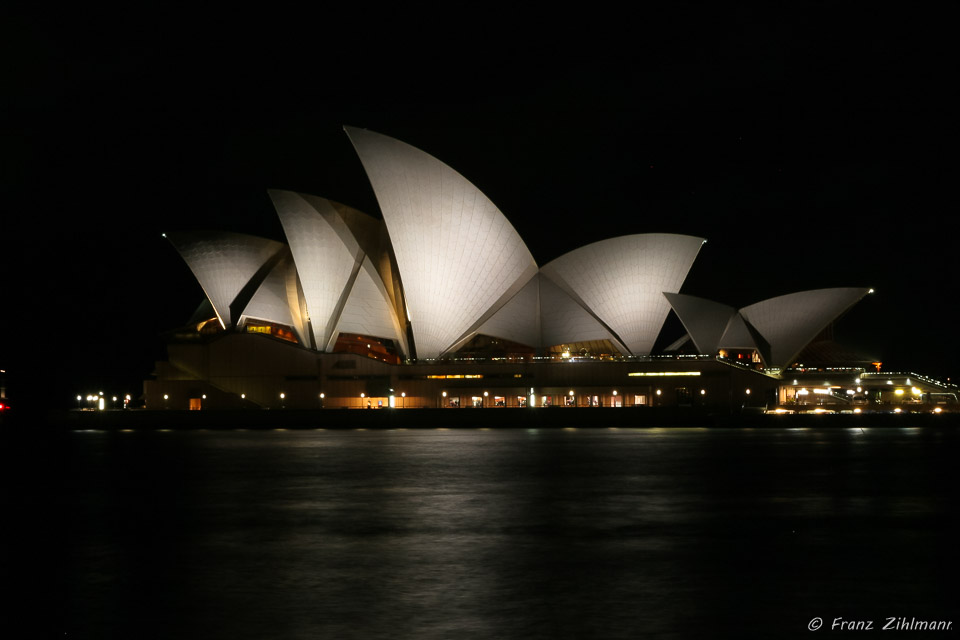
(279, 429)
(126, 430)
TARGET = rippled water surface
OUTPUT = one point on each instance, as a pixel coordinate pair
(504, 533)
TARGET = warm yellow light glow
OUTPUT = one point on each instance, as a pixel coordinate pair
(659, 392)
(899, 392)
(937, 410)
(897, 410)
(748, 391)
(283, 395)
(703, 392)
(915, 391)
(453, 376)
(570, 394)
(637, 374)
(857, 410)
(444, 394)
(363, 395)
(802, 392)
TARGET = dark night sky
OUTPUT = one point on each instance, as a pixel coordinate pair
(812, 149)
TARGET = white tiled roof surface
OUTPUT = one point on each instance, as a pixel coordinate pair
(564, 320)
(368, 310)
(276, 300)
(223, 263)
(704, 320)
(788, 323)
(622, 280)
(517, 320)
(456, 252)
(325, 254)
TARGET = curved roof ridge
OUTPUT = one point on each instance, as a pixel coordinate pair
(789, 322)
(456, 251)
(326, 255)
(705, 320)
(224, 263)
(622, 280)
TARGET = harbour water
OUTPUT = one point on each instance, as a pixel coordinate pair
(487, 533)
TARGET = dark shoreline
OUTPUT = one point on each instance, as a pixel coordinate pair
(548, 418)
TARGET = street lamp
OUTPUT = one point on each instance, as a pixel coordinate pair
(283, 405)
(574, 400)
(484, 404)
(322, 396)
(614, 397)
(403, 394)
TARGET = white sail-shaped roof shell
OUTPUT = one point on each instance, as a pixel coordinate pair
(326, 254)
(518, 319)
(788, 323)
(277, 299)
(622, 281)
(224, 263)
(457, 254)
(368, 310)
(737, 335)
(705, 320)
(563, 320)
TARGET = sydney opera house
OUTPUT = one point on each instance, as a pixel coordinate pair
(440, 304)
